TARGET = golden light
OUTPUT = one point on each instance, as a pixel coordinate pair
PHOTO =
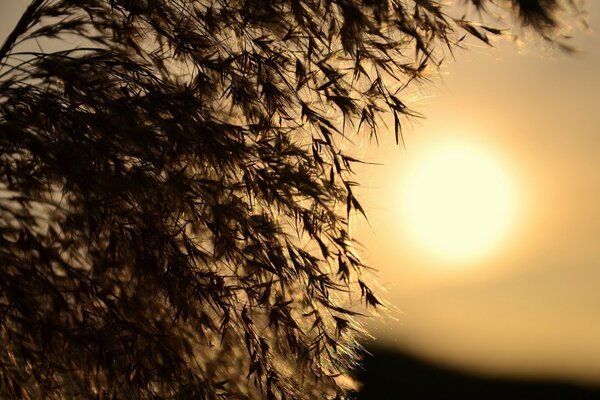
(458, 201)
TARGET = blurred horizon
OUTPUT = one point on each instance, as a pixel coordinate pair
(387, 373)
(528, 307)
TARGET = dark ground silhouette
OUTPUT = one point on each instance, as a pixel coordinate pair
(394, 375)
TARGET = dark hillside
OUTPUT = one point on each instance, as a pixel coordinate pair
(394, 375)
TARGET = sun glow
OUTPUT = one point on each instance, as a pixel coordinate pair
(459, 201)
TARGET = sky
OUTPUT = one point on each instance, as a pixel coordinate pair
(528, 303)
(526, 299)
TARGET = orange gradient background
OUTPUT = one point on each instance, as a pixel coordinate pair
(528, 303)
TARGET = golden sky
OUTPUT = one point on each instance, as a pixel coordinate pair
(529, 303)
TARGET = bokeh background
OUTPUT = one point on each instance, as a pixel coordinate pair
(528, 308)
(522, 319)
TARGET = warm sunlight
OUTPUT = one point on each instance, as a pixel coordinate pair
(458, 201)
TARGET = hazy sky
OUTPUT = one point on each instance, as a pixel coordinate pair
(531, 304)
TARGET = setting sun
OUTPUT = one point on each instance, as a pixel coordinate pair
(458, 201)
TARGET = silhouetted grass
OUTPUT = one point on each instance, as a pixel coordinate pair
(174, 194)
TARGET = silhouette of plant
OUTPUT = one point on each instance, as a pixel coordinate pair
(174, 196)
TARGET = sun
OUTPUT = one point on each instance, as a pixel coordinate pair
(458, 201)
